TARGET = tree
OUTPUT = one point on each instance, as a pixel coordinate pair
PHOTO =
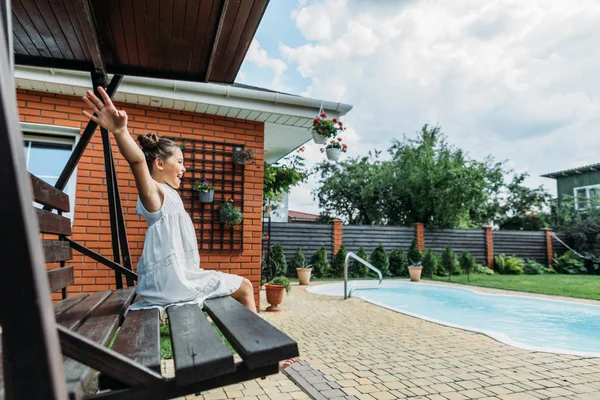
(467, 264)
(338, 262)
(320, 263)
(298, 260)
(359, 268)
(414, 254)
(398, 263)
(429, 263)
(449, 261)
(278, 258)
(523, 208)
(380, 260)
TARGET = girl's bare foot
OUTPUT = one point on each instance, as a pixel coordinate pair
(286, 363)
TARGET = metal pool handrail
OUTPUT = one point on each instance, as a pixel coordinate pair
(357, 258)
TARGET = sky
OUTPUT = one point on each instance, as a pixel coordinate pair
(518, 80)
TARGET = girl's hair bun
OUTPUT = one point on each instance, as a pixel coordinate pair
(148, 141)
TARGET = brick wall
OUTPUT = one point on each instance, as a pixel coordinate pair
(91, 225)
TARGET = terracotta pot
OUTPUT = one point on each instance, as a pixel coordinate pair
(267, 209)
(275, 295)
(304, 275)
(333, 154)
(318, 138)
(206, 197)
(415, 273)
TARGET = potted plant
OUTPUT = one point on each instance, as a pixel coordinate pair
(281, 177)
(230, 214)
(206, 191)
(302, 269)
(275, 289)
(414, 270)
(334, 149)
(324, 128)
(242, 156)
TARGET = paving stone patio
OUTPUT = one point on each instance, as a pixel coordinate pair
(355, 350)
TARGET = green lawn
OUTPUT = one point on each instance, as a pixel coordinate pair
(580, 286)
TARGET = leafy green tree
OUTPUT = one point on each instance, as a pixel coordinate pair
(449, 261)
(278, 258)
(414, 254)
(320, 263)
(298, 260)
(380, 260)
(359, 269)
(429, 263)
(467, 264)
(338, 262)
(398, 263)
(523, 208)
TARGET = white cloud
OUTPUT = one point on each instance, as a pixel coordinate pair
(515, 79)
(259, 57)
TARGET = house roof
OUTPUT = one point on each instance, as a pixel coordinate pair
(301, 216)
(573, 171)
(200, 40)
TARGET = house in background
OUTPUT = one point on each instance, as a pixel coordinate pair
(302, 217)
(583, 183)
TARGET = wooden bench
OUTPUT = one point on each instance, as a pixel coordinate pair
(131, 369)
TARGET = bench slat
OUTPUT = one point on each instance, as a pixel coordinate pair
(74, 317)
(198, 350)
(255, 340)
(139, 340)
(60, 278)
(53, 223)
(99, 328)
(64, 305)
(56, 250)
(48, 195)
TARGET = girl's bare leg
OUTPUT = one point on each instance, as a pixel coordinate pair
(245, 295)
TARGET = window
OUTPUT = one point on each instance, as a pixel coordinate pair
(586, 194)
(47, 150)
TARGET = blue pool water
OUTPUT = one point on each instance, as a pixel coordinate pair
(526, 322)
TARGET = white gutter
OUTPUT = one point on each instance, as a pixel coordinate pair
(195, 92)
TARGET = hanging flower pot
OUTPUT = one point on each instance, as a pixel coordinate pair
(334, 149)
(230, 214)
(242, 156)
(318, 138)
(206, 197)
(333, 154)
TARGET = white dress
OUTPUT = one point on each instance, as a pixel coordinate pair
(169, 270)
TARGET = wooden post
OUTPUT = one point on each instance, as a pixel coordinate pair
(549, 249)
(420, 235)
(32, 362)
(489, 246)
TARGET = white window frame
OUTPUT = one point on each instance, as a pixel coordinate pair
(59, 135)
(587, 194)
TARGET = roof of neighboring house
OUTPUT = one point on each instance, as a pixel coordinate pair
(573, 171)
(301, 216)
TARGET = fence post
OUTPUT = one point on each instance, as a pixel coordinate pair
(337, 236)
(420, 235)
(489, 246)
(549, 250)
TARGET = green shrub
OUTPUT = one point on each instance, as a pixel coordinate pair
(337, 269)
(532, 267)
(380, 260)
(499, 261)
(398, 263)
(569, 263)
(449, 261)
(482, 269)
(281, 280)
(320, 263)
(414, 254)
(429, 263)
(278, 258)
(439, 268)
(298, 260)
(513, 266)
(467, 264)
(360, 270)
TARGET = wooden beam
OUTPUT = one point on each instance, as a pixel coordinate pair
(32, 363)
(103, 260)
(215, 45)
(90, 32)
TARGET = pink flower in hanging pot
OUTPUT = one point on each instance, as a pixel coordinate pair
(323, 115)
(340, 139)
(316, 121)
(334, 120)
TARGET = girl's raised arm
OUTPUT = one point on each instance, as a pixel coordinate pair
(115, 121)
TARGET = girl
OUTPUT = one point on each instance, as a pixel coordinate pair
(169, 268)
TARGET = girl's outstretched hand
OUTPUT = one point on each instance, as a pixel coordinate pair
(107, 115)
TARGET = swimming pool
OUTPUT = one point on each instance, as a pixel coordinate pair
(525, 322)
